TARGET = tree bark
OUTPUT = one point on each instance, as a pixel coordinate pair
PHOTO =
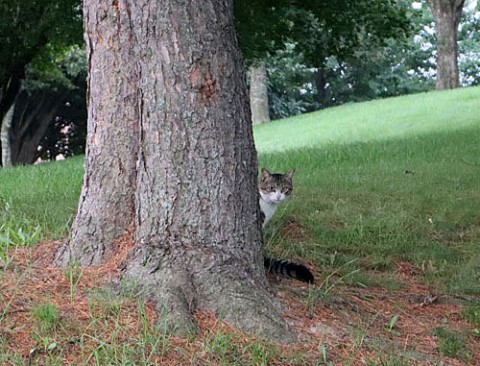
(259, 93)
(447, 15)
(170, 157)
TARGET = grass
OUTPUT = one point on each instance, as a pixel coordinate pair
(378, 120)
(42, 196)
(356, 201)
(378, 186)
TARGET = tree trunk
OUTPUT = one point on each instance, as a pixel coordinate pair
(9, 90)
(170, 157)
(5, 137)
(34, 112)
(259, 94)
(321, 84)
(447, 15)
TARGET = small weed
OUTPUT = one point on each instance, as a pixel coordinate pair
(472, 314)
(360, 333)
(15, 230)
(451, 344)
(327, 285)
(46, 317)
(222, 348)
(324, 360)
(73, 273)
(390, 361)
(104, 304)
(260, 354)
(333, 280)
(390, 327)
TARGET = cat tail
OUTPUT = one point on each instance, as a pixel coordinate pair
(289, 269)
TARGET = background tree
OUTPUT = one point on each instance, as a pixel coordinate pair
(26, 29)
(447, 15)
(171, 160)
(257, 24)
(259, 93)
(50, 103)
(322, 32)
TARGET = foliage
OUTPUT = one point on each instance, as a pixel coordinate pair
(373, 68)
(32, 34)
(469, 46)
(66, 134)
(321, 42)
(26, 27)
(290, 84)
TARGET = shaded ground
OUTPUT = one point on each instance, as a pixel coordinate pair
(345, 326)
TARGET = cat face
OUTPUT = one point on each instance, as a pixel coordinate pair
(275, 188)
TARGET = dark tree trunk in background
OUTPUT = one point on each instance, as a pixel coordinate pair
(33, 113)
(447, 15)
(259, 94)
(321, 84)
(170, 158)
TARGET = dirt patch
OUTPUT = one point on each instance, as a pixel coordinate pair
(294, 230)
(347, 326)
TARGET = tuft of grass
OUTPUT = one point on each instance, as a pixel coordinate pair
(451, 344)
(472, 314)
(73, 272)
(46, 316)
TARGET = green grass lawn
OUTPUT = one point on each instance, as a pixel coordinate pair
(381, 182)
(43, 196)
(406, 116)
(377, 184)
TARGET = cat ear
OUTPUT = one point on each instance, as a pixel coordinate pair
(290, 173)
(265, 173)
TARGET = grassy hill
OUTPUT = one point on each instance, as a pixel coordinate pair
(385, 210)
(406, 116)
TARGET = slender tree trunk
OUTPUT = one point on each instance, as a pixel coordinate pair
(5, 137)
(259, 93)
(9, 90)
(447, 15)
(170, 157)
(320, 84)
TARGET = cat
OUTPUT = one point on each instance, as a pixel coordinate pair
(274, 189)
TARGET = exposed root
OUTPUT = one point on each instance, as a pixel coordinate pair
(243, 301)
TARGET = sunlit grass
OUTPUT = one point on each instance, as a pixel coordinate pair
(406, 116)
